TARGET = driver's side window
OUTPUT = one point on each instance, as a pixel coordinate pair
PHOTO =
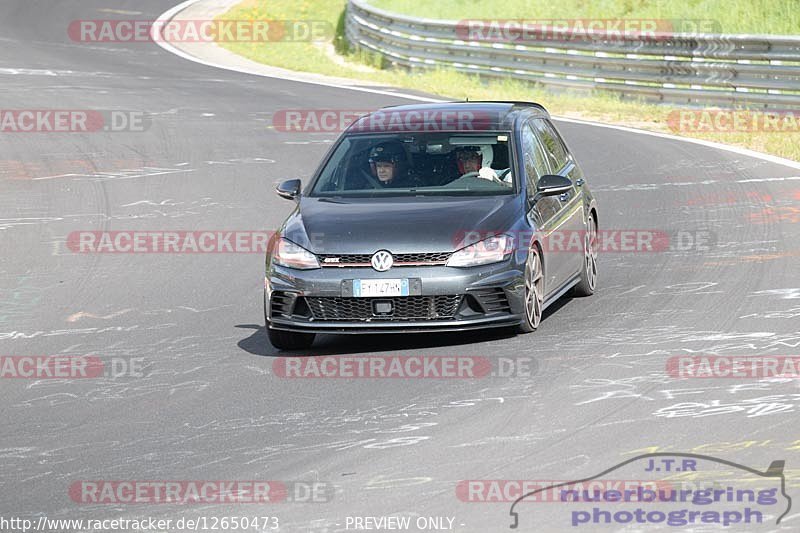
(535, 162)
(332, 176)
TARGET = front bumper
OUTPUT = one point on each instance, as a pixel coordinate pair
(460, 299)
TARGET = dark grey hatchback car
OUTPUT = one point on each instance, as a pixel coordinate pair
(429, 218)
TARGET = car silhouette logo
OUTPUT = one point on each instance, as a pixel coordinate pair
(382, 261)
(775, 470)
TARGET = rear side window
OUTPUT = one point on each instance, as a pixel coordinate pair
(554, 148)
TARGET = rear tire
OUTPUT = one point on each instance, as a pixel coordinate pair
(588, 282)
(290, 340)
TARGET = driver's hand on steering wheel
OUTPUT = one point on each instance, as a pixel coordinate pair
(487, 173)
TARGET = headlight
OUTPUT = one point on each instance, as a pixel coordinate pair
(290, 255)
(487, 251)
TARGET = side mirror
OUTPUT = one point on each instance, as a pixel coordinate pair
(552, 185)
(289, 189)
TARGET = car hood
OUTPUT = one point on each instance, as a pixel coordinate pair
(400, 225)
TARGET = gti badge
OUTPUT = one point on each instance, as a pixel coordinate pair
(382, 261)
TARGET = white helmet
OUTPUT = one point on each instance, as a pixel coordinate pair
(488, 155)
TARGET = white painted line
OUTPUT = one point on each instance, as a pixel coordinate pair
(654, 186)
(118, 11)
(719, 146)
(167, 15)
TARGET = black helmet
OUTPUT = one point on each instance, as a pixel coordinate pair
(391, 151)
(388, 151)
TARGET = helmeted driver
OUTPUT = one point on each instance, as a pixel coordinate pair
(387, 163)
(469, 159)
(476, 161)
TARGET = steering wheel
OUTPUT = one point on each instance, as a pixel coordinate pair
(497, 178)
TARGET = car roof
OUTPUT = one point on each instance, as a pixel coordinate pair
(447, 116)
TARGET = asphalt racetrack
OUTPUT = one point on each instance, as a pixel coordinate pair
(208, 405)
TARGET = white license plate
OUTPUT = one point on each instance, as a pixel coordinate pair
(364, 288)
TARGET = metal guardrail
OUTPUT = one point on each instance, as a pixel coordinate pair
(724, 70)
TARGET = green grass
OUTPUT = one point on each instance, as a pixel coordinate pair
(731, 16)
(321, 58)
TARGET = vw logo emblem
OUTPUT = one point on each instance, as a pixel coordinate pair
(382, 261)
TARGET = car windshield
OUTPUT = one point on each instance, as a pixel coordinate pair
(417, 164)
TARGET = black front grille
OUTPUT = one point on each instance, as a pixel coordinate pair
(348, 259)
(492, 300)
(403, 308)
(436, 257)
(399, 259)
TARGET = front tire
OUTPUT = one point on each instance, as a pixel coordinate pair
(534, 291)
(290, 340)
(586, 285)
